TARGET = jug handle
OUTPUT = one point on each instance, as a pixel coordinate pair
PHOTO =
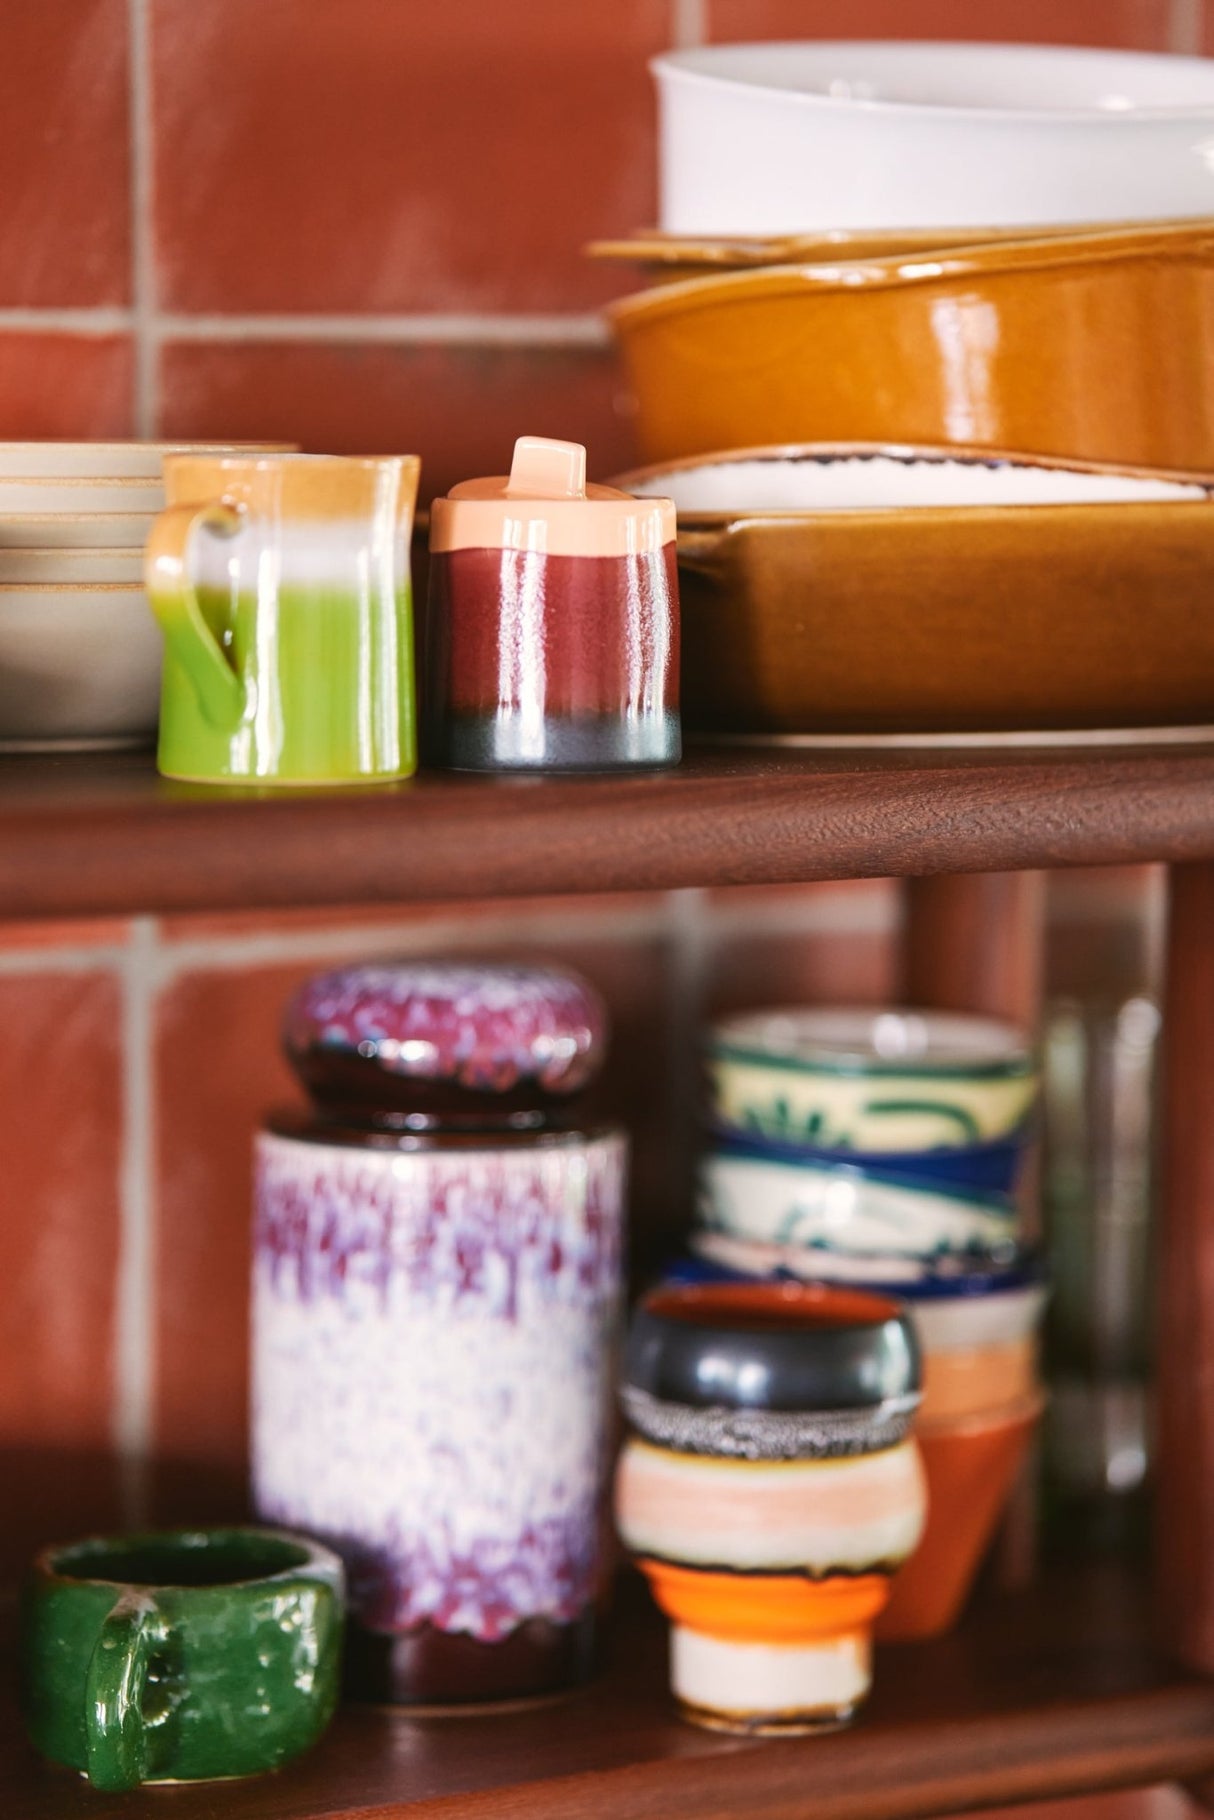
(173, 600)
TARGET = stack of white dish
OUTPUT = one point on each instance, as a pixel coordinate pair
(79, 649)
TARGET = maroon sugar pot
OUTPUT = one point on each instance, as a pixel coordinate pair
(552, 634)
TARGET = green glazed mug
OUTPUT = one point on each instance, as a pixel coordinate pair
(281, 583)
(181, 1656)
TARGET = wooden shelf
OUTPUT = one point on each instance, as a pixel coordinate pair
(90, 834)
(1039, 1694)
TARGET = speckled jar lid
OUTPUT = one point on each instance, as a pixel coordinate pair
(436, 1037)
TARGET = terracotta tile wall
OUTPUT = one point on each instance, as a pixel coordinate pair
(357, 225)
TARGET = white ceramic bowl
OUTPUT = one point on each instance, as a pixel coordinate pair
(955, 1313)
(78, 665)
(870, 1081)
(52, 493)
(108, 460)
(74, 530)
(791, 138)
(82, 567)
(841, 1212)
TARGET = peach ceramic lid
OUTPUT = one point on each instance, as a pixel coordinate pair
(545, 505)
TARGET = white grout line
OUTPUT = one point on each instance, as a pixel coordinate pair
(151, 327)
(474, 330)
(871, 910)
(106, 957)
(220, 953)
(691, 927)
(101, 320)
(689, 23)
(143, 251)
(134, 1338)
(1186, 27)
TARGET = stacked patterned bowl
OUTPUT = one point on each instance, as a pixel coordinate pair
(884, 1149)
(79, 649)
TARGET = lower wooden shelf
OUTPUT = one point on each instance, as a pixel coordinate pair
(1050, 1692)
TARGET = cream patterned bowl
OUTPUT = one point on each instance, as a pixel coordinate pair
(847, 1214)
(863, 1080)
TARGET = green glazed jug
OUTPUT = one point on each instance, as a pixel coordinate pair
(281, 583)
(181, 1656)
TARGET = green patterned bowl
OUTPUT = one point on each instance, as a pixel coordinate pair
(865, 1080)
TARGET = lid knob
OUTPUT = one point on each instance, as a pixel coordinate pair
(435, 1037)
(544, 469)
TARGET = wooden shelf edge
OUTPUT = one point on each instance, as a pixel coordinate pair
(1047, 1694)
(103, 835)
(1131, 1742)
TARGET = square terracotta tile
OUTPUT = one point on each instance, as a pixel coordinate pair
(751, 972)
(65, 932)
(460, 408)
(833, 943)
(218, 1071)
(65, 385)
(64, 204)
(352, 155)
(61, 1089)
(1140, 24)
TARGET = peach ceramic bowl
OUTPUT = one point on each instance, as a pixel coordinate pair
(1012, 589)
(1098, 346)
(971, 1465)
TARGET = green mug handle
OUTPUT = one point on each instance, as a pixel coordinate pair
(173, 600)
(115, 1737)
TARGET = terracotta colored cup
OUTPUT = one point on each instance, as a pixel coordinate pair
(971, 1466)
(973, 1380)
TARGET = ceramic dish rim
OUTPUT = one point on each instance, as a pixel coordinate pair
(704, 253)
(662, 1348)
(909, 455)
(1020, 1411)
(316, 1555)
(897, 271)
(1019, 1056)
(678, 62)
(40, 588)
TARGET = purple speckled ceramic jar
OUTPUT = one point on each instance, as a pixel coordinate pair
(436, 1295)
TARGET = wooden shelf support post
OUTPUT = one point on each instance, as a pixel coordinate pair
(973, 942)
(1184, 1511)
(976, 942)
